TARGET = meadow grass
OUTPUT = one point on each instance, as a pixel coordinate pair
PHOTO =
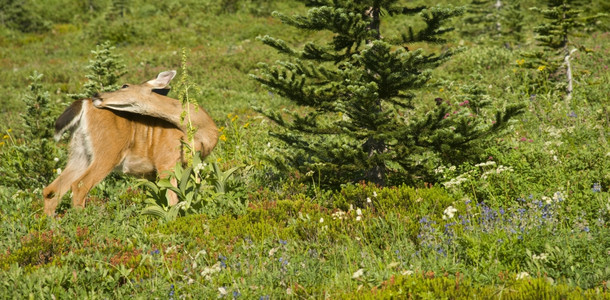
(530, 221)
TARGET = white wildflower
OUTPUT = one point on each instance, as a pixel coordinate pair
(449, 212)
(368, 200)
(56, 159)
(358, 274)
(272, 251)
(208, 271)
(523, 275)
(407, 272)
(488, 163)
(455, 182)
(558, 196)
(321, 220)
(359, 212)
(542, 256)
(338, 215)
(222, 290)
(374, 194)
(58, 171)
(546, 199)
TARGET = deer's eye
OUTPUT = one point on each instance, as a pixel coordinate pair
(125, 86)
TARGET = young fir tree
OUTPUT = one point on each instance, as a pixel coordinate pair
(512, 24)
(482, 18)
(562, 18)
(359, 118)
(104, 72)
(32, 163)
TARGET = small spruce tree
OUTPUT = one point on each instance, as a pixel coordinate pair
(512, 24)
(104, 69)
(358, 116)
(32, 163)
(482, 19)
(562, 18)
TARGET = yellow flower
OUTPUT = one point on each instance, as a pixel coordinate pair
(221, 129)
(441, 90)
(234, 118)
(223, 138)
(520, 61)
(219, 159)
(5, 137)
(246, 125)
(9, 130)
(514, 70)
(229, 116)
(541, 68)
(1, 143)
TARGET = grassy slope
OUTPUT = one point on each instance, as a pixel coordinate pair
(294, 241)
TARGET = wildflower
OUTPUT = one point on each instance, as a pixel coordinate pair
(222, 290)
(572, 114)
(9, 130)
(234, 118)
(358, 274)
(488, 163)
(596, 187)
(58, 171)
(441, 90)
(321, 220)
(5, 137)
(56, 159)
(368, 200)
(246, 125)
(219, 159)
(520, 61)
(1, 143)
(523, 275)
(374, 194)
(542, 256)
(541, 68)
(223, 138)
(221, 129)
(407, 272)
(449, 212)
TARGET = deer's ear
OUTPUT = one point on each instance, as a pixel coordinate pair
(162, 80)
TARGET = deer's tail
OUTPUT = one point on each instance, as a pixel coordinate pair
(69, 118)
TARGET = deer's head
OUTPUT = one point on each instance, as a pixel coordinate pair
(136, 98)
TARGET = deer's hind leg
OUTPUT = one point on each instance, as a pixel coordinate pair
(96, 172)
(61, 185)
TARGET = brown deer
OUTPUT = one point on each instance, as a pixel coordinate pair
(136, 130)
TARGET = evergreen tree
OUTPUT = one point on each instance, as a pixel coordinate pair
(32, 163)
(482, 18)
(359, 117)
(562, 18)
(104, 72)
(512, 24)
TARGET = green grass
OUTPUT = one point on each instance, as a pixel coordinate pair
(532, 224)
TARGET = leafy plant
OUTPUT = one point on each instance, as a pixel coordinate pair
(201, 188)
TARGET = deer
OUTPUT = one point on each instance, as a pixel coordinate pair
(136, 130)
